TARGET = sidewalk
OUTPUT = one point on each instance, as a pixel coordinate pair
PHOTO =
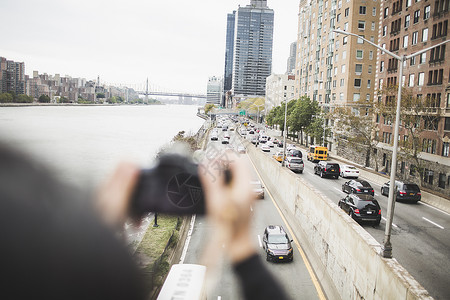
(372, 176)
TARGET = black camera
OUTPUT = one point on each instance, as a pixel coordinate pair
(171, 187)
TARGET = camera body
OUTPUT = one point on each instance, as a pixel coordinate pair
(172, 186)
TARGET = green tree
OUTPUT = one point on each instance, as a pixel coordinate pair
(101, 95)
(44, 99)
(302, 115)
(6, 98)
(24, 99)
(208, 108)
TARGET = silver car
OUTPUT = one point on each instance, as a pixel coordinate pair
(295, 164)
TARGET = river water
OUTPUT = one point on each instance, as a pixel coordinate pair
(83, 144)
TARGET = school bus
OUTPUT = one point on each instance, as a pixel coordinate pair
(317, 153)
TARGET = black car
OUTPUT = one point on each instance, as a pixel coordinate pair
(277, 244)
(406, 191)
(280, 144)
(294, 153)
(327, 169)
(358, 186)
(361, 208)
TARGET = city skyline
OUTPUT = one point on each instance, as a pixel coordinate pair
(95, 42)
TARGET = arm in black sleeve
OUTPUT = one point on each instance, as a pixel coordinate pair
(257, 282)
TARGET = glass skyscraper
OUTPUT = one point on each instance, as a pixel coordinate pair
(231, 18)
(252, 48)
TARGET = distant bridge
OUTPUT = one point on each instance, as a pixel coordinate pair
(172, 94)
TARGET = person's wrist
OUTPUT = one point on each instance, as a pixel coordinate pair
(240, 249)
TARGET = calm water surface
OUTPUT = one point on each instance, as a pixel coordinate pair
(83, 144)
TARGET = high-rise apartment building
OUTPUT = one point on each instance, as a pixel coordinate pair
(336, 70)
(12, 76)
(252, 48)
(214, 90)
(405, 28)
(228, 76)
(291, 60)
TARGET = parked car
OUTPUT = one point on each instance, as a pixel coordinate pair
(280, 144)
(295, 164)
(263, 139)
(225, 141)
(257, 188)
(214, 136)
(278, 156)
(327, 169)
(270, 144)
(241, 149)
(265, 148)
(254, 140)
(358, 186)
(349, 171)
(294, 153)
(277, 244)
(361, 208)
(406, 191)
(226, 135)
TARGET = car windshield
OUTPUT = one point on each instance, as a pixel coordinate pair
(277, 239)
(296, 161)
(351, 168)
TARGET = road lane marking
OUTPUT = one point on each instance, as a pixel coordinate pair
(435, 224)
(386, 222)
(188, 240)
(259, 240)
(308, 266)
(338, 189)
(440, 210)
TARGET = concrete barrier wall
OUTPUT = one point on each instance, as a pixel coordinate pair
(344, 256)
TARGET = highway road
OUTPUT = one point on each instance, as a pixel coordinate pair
(298, 281)
(420, 236)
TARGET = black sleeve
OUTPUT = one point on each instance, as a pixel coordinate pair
(257, 282)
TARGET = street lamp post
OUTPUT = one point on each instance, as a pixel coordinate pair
(387, 246)
(284, 133)
(257, 117)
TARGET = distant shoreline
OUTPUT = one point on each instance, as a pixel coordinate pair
(69, 104)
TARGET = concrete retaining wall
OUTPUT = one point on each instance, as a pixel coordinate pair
(344, 256)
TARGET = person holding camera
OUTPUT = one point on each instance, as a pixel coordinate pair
(58, 245)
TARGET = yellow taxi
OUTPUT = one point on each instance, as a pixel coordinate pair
(279, 156)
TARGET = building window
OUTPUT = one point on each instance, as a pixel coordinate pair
(384, 30)
(346, 26)
(412, 61)
(359, 40)
(346, 12)
(373, 26)
(370, 55)
(357, 82)
(447, 124)
(368, 83)
(358, 69)
(428, 176)
(362, 10)
(415, 38)
(382, 66)
(416, 16)
(369, 70)
(343, 69)
(437, 54)
(407, 20)
(448, 101)
(445, 149)
(442, 178)
(411, 80)
(408, 3)
(440, 29)
(342, 83)
(338, 18)
(386, 12)
(422, 58)
(374, 11)
(424, 34)
(341, 96)
(356, 97)
(426, 12)
(359, 54)
(361, 25)
(405, 41)
(344, 40)
(367, 99)
(421, 79)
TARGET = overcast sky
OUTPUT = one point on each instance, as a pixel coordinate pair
(176, 44)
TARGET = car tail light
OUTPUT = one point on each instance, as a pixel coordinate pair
(379, 212)
(325, 170)
(356, 211)
(402, 193)
(358, 190)
(419, 194)
(373, 191)
(339, 170)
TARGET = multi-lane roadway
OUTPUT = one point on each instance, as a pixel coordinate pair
(420, 235)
